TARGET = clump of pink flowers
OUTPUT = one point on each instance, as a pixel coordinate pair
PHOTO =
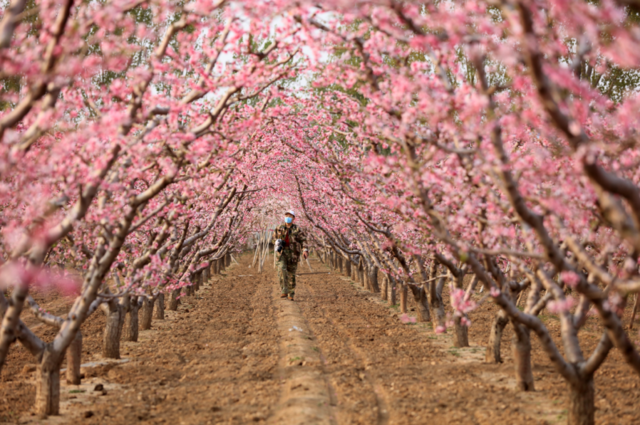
(561, 306)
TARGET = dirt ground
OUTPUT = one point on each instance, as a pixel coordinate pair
(236, 353)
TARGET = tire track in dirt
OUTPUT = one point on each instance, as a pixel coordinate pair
(382, 405)
(305, 396)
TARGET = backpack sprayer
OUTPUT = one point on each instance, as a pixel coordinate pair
(279, 246)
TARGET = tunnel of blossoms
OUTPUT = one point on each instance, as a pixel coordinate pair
(462, 155)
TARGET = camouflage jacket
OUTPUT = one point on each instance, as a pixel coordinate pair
(296, 239)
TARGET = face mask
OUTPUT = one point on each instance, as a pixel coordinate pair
(288, 220)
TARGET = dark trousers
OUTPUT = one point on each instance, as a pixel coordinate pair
(287, 276)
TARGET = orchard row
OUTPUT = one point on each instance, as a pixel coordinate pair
(142, 141)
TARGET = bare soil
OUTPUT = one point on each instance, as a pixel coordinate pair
(236, 353)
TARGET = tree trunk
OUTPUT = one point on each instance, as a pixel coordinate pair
(492, 354)
(130, 331)
(420, 297)
(361, 274)
(461, 338)
(521, 346)
(227, 258)
(48, 383)
(173, 300)
(160, 307)
(437, 305)
(403, 298)
(384, 294)
(112, 331)
(74, 360)
(366, 277)
(462, 333)
(393, 300)
(373, 280)
(347, 268)
(582, 403)
(340, 264)
(635, 310)
(147, 314)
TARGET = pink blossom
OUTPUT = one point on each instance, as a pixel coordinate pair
(570, 278)
(404, 318)
(561, 306)
(460, 303)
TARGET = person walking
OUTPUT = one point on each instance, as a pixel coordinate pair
(289, 241)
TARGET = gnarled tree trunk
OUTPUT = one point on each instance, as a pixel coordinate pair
(403, 298)
(173, 300)
(384, 294)
(130, 331)
(582, 402)
(365, 279)
(462, 333)
(373, 279)
(147, 313)
(497, 327)
(393, 299)
(347, 268)
(48, 383)
(521, 346)
(461, 338)
(112, 330)
(437, 305)
(635, 310)
(420, 297)
(74, 360)
(159, 307)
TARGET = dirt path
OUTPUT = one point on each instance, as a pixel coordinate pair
(236, 353)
